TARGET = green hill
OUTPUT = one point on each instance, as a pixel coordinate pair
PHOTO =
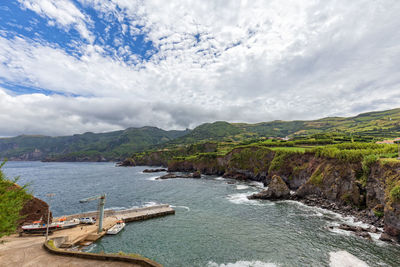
(120, 144)
(209, 131)
(85, 147)
(381, 124)
(378, 124)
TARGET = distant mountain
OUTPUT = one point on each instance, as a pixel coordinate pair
(210, 131)
(85, 147)
(120, 144)
(379, 124)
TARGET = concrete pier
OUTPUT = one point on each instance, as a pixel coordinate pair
(82, 234)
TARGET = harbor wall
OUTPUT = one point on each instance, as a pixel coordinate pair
(51, 246)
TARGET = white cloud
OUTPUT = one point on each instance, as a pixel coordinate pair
(62, 13)
(254, 61)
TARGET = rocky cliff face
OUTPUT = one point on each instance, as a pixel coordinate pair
(34, 210)
(345, 184)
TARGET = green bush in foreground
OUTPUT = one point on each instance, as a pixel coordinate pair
(12, 199)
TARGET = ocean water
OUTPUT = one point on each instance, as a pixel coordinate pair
(215, 225)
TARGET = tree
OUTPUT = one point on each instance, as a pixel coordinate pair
(12, 199)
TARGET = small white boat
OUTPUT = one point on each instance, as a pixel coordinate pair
(69, 224)
(116, 228)
(64, 224)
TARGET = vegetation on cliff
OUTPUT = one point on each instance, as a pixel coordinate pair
(12, 200)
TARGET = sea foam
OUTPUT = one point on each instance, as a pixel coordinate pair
(241, 198)
(241, 187)
(182, 207)
(337, 220)
(257, 184)
(243, 264)
(345, 259)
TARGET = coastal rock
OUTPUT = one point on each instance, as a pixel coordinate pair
(196, 174)
(173, 175)
(129, 162)
(359, 231)
(363, 235)
(154, 170)
(277, 189)
(386, 237)
(34, 209)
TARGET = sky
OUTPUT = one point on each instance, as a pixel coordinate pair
(72, 66)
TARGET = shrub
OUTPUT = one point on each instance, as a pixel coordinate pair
(317, 177)
(395, 193)
(12, 199)
(278, 160)
(378, 213)
(367, 163)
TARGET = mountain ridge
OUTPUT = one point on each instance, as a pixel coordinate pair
(116, 145)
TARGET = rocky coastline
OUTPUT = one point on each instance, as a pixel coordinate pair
(351, 188)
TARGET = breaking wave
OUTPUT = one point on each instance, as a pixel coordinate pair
(241, 198)
(345, 259)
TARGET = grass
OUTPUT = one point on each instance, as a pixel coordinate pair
(389, 160)
(317, 177)
(290, 149)
(395, 193)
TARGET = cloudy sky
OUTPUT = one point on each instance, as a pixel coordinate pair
(71, 66)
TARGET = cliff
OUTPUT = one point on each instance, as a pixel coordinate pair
(366, 185)
(33, 210)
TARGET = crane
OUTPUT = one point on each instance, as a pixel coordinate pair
(101, 208)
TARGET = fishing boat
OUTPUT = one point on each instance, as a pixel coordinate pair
(64, 224)
(116, 228)
(38, 227)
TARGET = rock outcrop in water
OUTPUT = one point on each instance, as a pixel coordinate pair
(277, 189)
(154, 170)
(346, 187)
(173, 175)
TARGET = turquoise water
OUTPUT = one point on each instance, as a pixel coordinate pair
(214, 224)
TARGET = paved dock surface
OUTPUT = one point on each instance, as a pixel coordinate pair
(89, 233)
(28, 251)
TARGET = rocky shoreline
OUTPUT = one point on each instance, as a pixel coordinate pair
(368, 189)
(278, 190)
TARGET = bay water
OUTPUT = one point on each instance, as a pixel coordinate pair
(215, 225)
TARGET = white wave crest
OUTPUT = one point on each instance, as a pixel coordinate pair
(337, 220)
(241, 187)
(219, 178)
(243, 264)
(241, 198)
(257, 184)
(146, 204)
(150, 204)
(116, 208)
(182, 207)
(345, 259)
(153, 178)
